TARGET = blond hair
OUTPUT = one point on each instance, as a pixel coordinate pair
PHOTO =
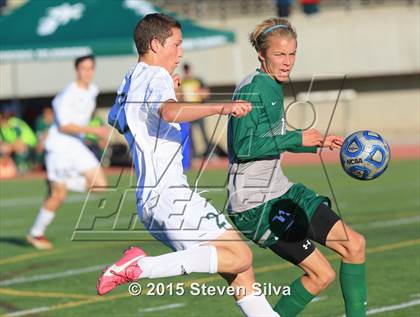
(271, 27)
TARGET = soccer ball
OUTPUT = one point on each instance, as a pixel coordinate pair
(364, 155)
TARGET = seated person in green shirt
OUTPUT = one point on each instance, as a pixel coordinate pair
(95, 144)
(42, 125)
(17, 139)
(264, 205)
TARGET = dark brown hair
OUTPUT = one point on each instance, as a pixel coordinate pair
(153, 26)
(80, 59)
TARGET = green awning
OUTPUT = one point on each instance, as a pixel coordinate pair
(51, 29)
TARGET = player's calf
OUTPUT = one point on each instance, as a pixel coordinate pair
(318, 273)
(319, 281)
(57, 197)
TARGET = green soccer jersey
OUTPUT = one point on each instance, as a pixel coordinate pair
(255, 144)
(262, 133)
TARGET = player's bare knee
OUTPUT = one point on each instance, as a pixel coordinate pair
(323, 279)
(247, 261)
(356, 246)
(96, 180)
(242, 259)
(362, 243)
(59, 195)
(243, 263)
(100, 181)
(328, 277)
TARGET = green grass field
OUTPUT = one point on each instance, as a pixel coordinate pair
(62, 282)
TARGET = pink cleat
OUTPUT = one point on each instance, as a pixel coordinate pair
(41, 243)
(124, 271)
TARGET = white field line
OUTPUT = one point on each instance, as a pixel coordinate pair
(178, 305)
(318, 299)
(384, 309)
(37, 200)
(47, 308)
(164, 307)
(28, 311)
(11, 224)
(387, 223)
(50, 276)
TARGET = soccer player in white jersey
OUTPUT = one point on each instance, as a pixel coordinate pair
(146, 111)
(70, 164)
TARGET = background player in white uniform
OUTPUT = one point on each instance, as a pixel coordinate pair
(147, 113)
(70, 164)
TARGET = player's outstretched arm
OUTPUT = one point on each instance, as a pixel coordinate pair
(313, 137)
(172, 111)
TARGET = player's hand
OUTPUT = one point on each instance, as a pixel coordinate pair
(237, 108)
(177, 80)
(312, 137)
(333, 142)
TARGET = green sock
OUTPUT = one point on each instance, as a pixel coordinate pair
(353, 286)
(289, 306)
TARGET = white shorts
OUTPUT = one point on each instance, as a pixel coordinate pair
(67, 165)
(181, 218)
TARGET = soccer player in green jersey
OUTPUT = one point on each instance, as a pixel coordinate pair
(265, 205)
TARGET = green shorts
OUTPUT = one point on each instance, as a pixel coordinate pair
(266, 223)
